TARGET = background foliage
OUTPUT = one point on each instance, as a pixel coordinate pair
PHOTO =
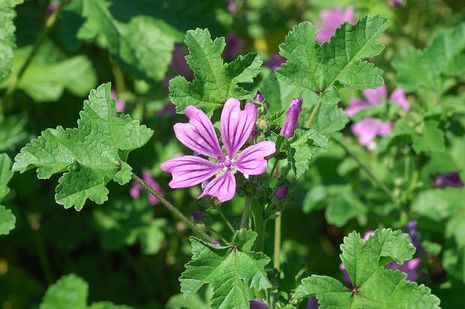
(130, 252)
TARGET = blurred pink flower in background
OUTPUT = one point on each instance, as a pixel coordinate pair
(275, 61)
(120, 104)
(233, 47)
(331, 20)
(151, 182)
(368, 129)
(375, 97)
(395, 2)
(232, 7)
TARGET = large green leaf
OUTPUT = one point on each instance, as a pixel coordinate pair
(423, 68)
(71, 292)
(7, 219)
(90, 155)
(374, 286)
(7, 38)
(318, 67)
(215, 81)
(231, 270)
(143, 46)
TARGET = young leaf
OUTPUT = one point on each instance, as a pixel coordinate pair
(48, 76)
(231, 270)
(7, 39)
(215, 81)
(71, 292)
(302, 147)
(374, 286)
(12, 132)
(7, 219)
(318, 67)
(431, 140)
(90, 155)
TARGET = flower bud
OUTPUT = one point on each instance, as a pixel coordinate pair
(281, 192)
(197, 215)
(448, 180)
(292, 118)
(258, 304)
(259, 98)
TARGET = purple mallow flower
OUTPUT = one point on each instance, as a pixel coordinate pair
(375, 97)
(275, 61)
(151, 182)
(369, 128)
(258, 304)
(234, 45)
(120, 104)
(331, 20)
(281, 192)
(291, 123)
(200, 136)
(448, 180)
(409, 267)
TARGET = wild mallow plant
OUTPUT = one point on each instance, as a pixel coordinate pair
(241, 145)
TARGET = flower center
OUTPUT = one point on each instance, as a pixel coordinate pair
(227, 163)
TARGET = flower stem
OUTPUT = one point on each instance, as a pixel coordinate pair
(226, 221)
(313, 114)
(245, 213)
(275, 165)
(277, 242)
(172, 209)
(259, 226)
(367, 170)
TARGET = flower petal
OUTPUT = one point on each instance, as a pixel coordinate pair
(398, 97)
(199, 134)
(375, 96)
(369, 128)
(252, 161)
(355, 106)
(188, 171)
(222, 187)
(236, 125)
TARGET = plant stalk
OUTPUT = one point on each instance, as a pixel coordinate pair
(277, 242)
(173, 209)
(367, 170)
(245, 213)
(313, 114)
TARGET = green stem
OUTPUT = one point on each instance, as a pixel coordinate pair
(245, 213)
(226, 221)
(277, 242)
(313, 114)
(275, 165)
(172, 209)
(12, 86)
(367, 170)
(259, 226)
